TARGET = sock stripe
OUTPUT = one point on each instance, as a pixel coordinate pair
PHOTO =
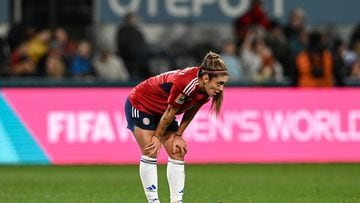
(148, 160)
(176, 162)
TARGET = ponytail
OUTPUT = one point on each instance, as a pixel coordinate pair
(214, 65)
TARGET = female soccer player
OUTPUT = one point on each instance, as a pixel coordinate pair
(150, 112)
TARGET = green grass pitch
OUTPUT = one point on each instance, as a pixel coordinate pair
(228, 183)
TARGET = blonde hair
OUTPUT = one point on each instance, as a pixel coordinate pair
(213, 65)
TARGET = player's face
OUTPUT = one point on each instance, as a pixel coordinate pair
(215, 85)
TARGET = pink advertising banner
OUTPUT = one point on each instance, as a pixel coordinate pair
(88, 126)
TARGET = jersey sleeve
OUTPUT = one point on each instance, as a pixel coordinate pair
(182, 88)
(176, 97)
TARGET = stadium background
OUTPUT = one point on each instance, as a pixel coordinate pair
(65, 140)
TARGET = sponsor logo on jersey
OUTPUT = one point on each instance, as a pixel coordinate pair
(180, 99)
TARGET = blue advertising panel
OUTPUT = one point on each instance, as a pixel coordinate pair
(224, 11)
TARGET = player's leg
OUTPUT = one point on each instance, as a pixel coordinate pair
(175, 170)
(148, 165)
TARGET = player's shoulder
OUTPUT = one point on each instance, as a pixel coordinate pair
(189, 71)
(187, 79)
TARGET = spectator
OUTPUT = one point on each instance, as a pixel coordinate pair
(296, 46)
(271, 69)
(355, 36)
(110, 67)
(351, 59)
(39, 45)
(315, 63)
(299, 43)
(276, 41)
(53, 60)
(255, 15)
(21, 32)
(258, 61)
(64, 43)
(81, 63)
(21, 64)
(339, 71)
(355, 70)
(232, 61)
(55, 67)
(132, 47)
(296, 35)
(295, 24)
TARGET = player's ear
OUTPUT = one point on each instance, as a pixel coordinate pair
(206, 78)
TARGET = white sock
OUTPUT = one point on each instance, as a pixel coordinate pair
(176, 179)
(149, 179)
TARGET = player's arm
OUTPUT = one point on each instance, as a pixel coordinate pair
(178, 141)
(166, 119)
(176, 100)
(187, 118)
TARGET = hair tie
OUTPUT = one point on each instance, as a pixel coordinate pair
(215, 71)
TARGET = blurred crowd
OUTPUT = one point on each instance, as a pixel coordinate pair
(51, 53)
(261, 50)
(307, 57)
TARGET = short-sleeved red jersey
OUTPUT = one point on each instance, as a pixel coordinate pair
(153, 95)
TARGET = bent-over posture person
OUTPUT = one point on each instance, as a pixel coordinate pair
(150, 111)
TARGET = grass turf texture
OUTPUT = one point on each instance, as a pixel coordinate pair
(302, 183)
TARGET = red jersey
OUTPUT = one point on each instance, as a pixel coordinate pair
(153, 95)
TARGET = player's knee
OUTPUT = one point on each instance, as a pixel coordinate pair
(177, 155)
(150, 155)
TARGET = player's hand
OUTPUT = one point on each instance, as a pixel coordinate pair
(153, 148)
(179, 142)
